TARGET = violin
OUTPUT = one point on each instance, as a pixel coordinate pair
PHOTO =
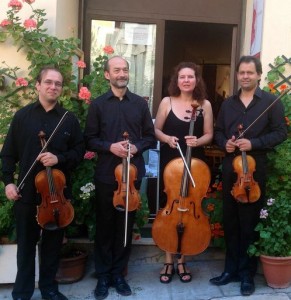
(245, 189)
(182, 228)
(126, 193)
(55, 211)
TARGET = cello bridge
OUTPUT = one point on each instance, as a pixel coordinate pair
(183, 209)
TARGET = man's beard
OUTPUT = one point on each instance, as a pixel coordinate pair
(120, 84)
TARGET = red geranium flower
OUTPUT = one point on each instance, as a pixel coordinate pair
(29, 23)
(108, 49)
(85, 94)
(5, 23)
(283, 87)
(81, 64)
(21, 82)
(89, 155)
(15, 4)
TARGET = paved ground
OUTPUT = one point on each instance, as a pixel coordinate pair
(143, 277)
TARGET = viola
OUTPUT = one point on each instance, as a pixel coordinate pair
(181, 227)
(55, 211)
(126, 175)
(245, 189)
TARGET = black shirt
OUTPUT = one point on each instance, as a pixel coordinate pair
(22, 144)
(269, 131)
(108, 118)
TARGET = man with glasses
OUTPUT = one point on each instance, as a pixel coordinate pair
(22, 147)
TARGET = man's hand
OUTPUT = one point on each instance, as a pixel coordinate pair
(244, 144)
(230, 145)
(48, 159)
(121, 149)
(11, 192)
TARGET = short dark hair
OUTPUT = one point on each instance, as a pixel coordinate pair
(44, 70)
(106, 64)
(249, 59)
(199, 92)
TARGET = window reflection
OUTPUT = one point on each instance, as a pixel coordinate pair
(136, 42)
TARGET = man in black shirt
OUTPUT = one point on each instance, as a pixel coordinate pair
(109, 117)
(269, 130)
(22, 146)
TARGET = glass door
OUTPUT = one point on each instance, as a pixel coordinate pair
(136, 42)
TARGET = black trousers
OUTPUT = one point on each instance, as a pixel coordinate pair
(240, 219)
(28, 234)
(111, 257)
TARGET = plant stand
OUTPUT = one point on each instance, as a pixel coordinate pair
(277, 271)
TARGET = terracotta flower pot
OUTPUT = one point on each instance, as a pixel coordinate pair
(277, 270)
(71, 269)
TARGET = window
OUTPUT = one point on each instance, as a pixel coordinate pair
(136, 42)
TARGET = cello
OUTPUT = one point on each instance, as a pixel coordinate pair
(55, 211)
(181, 227)
(245, 189)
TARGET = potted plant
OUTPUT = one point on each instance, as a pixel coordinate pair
(274, 243)
(72, 265)
(274, 229)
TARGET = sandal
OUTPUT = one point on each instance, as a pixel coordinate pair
(184, 273)
(166, 274)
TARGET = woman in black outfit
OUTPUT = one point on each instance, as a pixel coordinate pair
(172, 125)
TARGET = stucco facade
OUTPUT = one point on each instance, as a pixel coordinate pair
(63, 18)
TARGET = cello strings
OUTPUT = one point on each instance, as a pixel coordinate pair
(189, 173)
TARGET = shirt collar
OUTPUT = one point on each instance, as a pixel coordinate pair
(56, 108)
(257, 94)
(127, 95)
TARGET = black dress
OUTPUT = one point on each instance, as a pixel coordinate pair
(176, 127)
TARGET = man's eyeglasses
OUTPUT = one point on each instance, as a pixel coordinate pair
(57, 84)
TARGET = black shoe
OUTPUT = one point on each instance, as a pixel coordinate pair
(121, 286)
(55, 295)
(224, 278)
(102, 287)
(247, 286)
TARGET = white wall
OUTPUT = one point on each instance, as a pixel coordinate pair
(67, 18)
(62, 21)
(276, 31)
(25, 12)
(276, 38)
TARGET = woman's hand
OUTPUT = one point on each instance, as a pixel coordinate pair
(172, 141)
(191, 141)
